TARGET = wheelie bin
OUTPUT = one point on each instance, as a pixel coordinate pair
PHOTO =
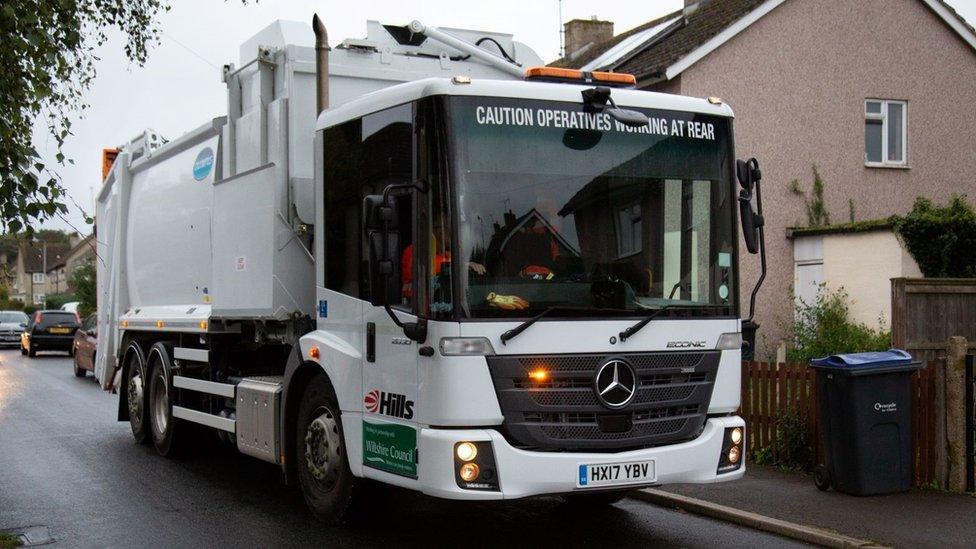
(866, 419)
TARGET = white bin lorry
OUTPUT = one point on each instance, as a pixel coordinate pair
(284, 274)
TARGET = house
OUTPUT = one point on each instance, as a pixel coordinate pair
(31, 283)
(877, 94)
(59, 275)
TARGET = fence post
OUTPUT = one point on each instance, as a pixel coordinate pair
(955, 413)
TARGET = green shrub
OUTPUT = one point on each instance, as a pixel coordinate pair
(83, 281)
(14, 305)
(30, 308)
(824, 328)
(792, 443)
(942, 239)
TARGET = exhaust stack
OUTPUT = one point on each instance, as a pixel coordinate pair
(321, 64)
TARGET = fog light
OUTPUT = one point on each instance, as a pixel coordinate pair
(469, 472)
(734, 454)
(736, 435)
(466, 451)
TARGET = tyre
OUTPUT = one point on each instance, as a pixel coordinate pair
(32, 352)
(166, 432)
(595, 499)
(135, 388)
(821, 477)
(320, 451)
(79, 371)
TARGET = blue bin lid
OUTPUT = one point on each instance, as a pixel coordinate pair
(864, 361)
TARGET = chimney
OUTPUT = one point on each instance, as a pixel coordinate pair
(580, 33)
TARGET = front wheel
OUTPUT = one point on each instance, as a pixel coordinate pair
(323, 467)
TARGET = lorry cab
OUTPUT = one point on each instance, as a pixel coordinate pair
(511, 204)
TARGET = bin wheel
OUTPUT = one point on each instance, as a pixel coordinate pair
(821, 477)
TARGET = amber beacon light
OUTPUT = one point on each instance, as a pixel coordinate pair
(555, 74)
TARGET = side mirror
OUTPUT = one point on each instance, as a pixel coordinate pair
(23, 324)
(747, 217)
(598, 100)
(626, 117)
(383, 245)
(748, 174)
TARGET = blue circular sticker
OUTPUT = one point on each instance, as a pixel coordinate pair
(203, 164)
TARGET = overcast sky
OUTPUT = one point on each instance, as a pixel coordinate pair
(180, 89)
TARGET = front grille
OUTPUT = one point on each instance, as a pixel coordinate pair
(563, 413)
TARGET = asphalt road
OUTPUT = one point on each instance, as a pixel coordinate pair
(67, 465)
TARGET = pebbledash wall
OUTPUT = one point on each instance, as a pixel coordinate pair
(797, 80)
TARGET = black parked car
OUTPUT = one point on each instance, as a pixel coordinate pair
(49, 331)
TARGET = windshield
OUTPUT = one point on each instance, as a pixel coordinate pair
(13, 316)
(560, 208)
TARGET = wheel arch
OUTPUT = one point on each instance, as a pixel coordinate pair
(298, 373)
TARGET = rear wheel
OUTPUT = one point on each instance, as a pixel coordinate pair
(135, 388)
(596, 499)
(167, 433)
(821, 478)
(323, 467)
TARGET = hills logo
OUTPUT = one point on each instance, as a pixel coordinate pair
(388, 404)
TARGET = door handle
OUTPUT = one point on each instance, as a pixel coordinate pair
(370, 342)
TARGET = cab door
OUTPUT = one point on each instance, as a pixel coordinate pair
(390, 430)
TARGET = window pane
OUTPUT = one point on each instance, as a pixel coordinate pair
(873, 107)
(895, 137)
(872, 141)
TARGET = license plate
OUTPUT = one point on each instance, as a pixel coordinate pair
(59, 330)
(609, 474)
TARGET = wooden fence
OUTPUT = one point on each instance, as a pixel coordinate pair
(769, 390)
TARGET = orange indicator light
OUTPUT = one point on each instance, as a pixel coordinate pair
(539, 375)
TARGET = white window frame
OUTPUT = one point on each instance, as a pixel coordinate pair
(39, 299)
(38, 278)
(883, 117)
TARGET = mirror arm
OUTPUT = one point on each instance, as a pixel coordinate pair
(417, 331)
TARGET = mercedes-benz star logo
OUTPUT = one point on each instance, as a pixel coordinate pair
(615, 384)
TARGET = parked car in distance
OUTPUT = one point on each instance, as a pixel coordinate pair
(71, 306)
(12, 324)
(49, 331)
(86, 338)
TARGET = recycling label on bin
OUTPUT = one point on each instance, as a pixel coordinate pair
(885, 407)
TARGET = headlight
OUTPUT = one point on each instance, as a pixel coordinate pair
(466, 346)
(474, 466)
(729, 342)
(466, 451)
(733, 446)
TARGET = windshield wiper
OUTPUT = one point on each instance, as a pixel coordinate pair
(629, 332)
(509, 334)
